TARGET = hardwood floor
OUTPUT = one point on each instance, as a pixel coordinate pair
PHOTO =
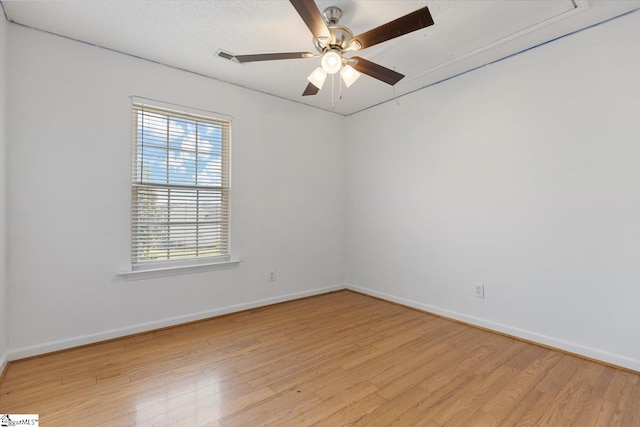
(331, 360)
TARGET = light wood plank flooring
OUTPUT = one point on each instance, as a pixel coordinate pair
(331, 360)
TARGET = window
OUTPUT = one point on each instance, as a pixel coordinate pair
(179, 188)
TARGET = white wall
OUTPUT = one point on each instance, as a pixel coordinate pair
(4, 346)
(69, 189)
(524, 175)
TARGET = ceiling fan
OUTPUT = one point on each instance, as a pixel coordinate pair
(332, 41)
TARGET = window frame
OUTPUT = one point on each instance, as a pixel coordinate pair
(146, 268)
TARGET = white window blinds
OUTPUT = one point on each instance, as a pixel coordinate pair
(179, 187)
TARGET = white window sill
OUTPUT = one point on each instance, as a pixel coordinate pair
(178, 270)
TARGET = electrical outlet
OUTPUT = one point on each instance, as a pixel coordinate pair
(478, 290)
(272, 275)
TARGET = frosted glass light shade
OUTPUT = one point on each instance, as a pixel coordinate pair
(331, 62)
(349, 75)
(317, 77)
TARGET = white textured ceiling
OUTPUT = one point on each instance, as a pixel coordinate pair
(187, 34)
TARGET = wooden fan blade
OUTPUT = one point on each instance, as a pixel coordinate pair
(417, 20)
(311, 89)
(273, 56)
(376, 71)
(311, 16)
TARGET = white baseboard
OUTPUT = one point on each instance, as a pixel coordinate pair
(49, 347)
(571, 347)
(558, 343)
(3, 363)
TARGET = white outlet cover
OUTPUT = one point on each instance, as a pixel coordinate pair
(479, 290)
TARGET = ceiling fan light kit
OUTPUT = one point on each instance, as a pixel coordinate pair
(331, 61)
(317, 77)
(341, 41)
(349, 75)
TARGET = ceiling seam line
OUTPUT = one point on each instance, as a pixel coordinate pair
(499, 60)
(4, 12)
(173, 67)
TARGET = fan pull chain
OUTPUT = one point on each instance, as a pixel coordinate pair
(333, 105)
(393, 87)
(395, 97)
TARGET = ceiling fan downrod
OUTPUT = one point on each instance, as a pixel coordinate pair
(340, 37)
(332, 15)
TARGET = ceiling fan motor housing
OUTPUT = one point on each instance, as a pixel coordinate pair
(339, 35)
